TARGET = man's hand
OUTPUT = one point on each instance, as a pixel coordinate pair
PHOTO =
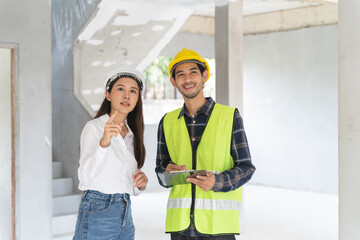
(204, 182)
(173, 167)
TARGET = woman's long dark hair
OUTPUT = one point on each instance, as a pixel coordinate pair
(135, 121)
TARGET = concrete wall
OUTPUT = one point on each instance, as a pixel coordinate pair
(150, 161)
(5, 143)
(290, 113)
(27, 25)
(203, 44)
(349, 120)
(69, 116)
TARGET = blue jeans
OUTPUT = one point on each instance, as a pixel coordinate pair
(104, 216)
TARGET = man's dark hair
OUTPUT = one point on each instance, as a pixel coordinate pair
(201, 68)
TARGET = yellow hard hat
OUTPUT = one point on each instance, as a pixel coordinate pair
(187, 55)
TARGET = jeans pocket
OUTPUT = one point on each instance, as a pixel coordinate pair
(97, 206)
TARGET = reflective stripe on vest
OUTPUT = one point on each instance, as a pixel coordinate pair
(214, 212)
(208, 204)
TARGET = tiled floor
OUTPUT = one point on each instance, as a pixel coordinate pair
(269, 214)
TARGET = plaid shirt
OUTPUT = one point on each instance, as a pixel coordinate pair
(226, 181)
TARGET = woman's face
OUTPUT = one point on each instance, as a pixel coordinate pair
(124, 95)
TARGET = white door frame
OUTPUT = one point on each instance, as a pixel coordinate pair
(15, 176)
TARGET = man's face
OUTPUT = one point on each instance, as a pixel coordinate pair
(189, 80)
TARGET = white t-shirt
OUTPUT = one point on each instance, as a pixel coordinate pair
(108, 170)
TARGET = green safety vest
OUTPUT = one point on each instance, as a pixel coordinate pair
(214, 212)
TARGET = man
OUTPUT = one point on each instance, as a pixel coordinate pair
(202, 135)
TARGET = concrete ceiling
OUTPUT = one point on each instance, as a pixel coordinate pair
(134, 32)
(120, 34)
(265, 16)
(250, 7)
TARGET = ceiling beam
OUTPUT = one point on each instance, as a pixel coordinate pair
(324, 2)
(278, 21)
(291, 19)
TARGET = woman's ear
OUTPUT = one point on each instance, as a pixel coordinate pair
(108, 96)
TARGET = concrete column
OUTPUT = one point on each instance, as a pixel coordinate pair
(228, 54)
(349, 120)
(27, 24)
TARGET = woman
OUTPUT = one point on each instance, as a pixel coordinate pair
(112, 154)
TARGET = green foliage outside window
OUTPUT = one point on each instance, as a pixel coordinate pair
(158, 85)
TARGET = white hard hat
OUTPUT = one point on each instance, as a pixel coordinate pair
(125, 72)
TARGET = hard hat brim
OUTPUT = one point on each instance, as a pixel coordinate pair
(185, 60)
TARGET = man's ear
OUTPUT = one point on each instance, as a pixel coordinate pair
(205, 76)
(173, 81)
(108, 96)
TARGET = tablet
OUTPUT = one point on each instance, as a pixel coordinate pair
(179, 177)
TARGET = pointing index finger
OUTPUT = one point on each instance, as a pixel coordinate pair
(111, 119)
